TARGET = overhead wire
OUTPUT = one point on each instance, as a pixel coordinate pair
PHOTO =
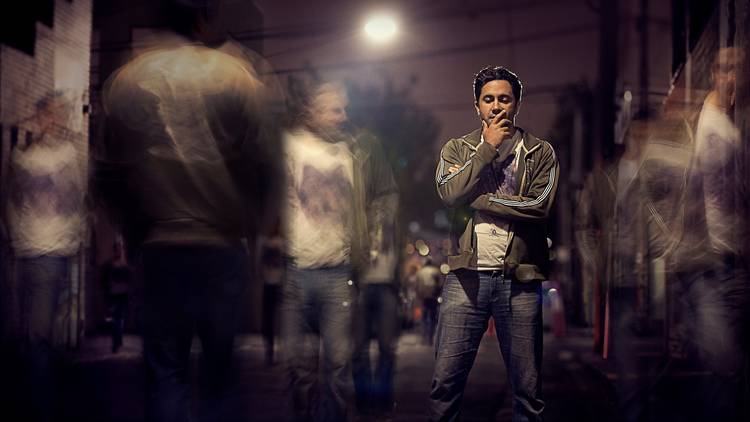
(462, 49)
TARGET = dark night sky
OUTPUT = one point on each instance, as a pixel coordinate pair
(549, 43)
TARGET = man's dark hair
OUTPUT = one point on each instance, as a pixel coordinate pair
(493, 73)
(187, 17)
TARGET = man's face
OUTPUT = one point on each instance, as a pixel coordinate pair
(52, 114)
(636, 138)
(328, 110)
(496, 96)
(724, 74)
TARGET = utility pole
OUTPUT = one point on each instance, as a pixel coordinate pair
(643, 107)
(608, 28)
(605, 131)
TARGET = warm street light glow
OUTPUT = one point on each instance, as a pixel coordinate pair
(381, 28)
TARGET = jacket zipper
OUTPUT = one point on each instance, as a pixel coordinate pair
(511, 232)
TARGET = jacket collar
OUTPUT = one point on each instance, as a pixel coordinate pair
(473, 139)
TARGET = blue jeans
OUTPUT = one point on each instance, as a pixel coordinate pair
(31, 305)
(317, 306)
(377, 315)
(189, 290)
(716, 315)
(40, 281)
(469, 299)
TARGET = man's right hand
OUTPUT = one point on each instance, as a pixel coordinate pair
(498, 130)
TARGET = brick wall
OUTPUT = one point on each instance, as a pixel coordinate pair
(60, 61)
(24, 79)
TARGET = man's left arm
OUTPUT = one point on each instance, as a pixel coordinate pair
(535, 204)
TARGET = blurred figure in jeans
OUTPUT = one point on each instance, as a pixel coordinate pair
(45, 222)
(192, 169)
(340, 193)
(710, 261)
(378, 313)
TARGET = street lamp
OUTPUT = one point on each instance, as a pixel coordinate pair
(381, 28)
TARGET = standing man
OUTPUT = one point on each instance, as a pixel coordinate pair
(717, 150)
(505, 180)
(712, 260)
(378, 313)
(340, 192)
(192, 171)
(45, 219)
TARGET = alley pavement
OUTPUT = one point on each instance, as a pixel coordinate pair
(102, 386)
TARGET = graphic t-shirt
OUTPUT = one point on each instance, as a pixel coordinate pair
(491, 231)
(717, 142)
(318, 217)
(46, 211)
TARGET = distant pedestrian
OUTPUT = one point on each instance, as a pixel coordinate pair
(428, 290)
(117, 278)
(272, 274)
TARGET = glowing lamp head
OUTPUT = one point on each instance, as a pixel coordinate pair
(381, 28)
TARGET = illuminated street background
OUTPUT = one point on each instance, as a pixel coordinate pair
(646, 103)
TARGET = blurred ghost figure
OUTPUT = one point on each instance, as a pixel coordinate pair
(272, 273)
(191, 168)
(628, 224)
(428, 288)
(709, 260)
(117, 277)
(612, 241)
(610, 232)
(377, 314)
(717, 147)
(340, 204)
(45, 221)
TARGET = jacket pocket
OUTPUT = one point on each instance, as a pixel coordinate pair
(528, 272)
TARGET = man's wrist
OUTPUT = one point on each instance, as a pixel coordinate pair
(493, 143)
(486, 152)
